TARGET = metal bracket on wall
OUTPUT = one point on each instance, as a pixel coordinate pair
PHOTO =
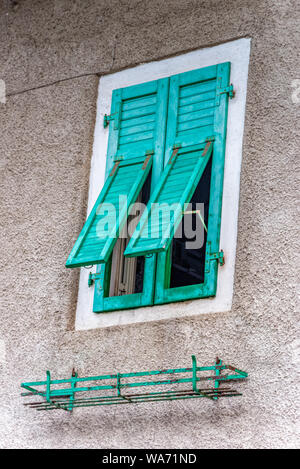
(229, 90)
(107, 119)
(66, 394)
(93, 277)
(116, 116)
(213, 256)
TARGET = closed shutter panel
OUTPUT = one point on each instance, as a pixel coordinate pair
(192, 107)
(138, 119)
(197, 114)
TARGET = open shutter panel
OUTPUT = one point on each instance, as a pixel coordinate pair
(176, 187)
(194, 100)
(137, 129)
(109, 214)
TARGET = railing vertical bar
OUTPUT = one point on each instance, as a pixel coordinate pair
(218, 372)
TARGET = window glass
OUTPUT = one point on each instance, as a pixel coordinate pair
(187, 261)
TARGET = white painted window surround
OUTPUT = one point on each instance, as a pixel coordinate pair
(238, 53)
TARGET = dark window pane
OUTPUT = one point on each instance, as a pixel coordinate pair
(140, 261)
(139, 278)
(187, 265)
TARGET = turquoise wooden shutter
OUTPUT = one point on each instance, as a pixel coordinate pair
(138, 122)
(137, 126)
(109, 214)
(176, 187)
(214, 100)
(136, 129)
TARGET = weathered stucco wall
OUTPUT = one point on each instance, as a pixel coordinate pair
(51, 55)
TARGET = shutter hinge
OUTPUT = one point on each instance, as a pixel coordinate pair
(107, 119)
(115, 117)
(213, 256)
(118, 158)
(176, 148)
(114, 169)
(229, 90)
(149, 153)
(93, 277)
(146, 162)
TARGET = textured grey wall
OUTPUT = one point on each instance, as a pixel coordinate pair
(51, 53)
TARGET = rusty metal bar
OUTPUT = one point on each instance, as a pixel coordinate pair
(67, 398)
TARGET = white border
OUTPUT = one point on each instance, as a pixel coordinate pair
(238, 53)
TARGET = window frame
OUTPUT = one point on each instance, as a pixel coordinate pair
(238, 53)
(157, 271)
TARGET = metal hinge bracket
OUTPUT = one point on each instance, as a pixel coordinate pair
(213, 256)
(107, 119)
(114, 168)
(93, 277)
(118, 158)
(115, 117)
(229, 90)
(176, 148)
(148, 155)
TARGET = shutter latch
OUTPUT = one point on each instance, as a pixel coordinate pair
(213, 256)
(229, 90)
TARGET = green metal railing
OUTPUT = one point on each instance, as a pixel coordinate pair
(55, 395)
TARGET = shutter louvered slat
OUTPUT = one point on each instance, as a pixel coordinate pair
(198, 88)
